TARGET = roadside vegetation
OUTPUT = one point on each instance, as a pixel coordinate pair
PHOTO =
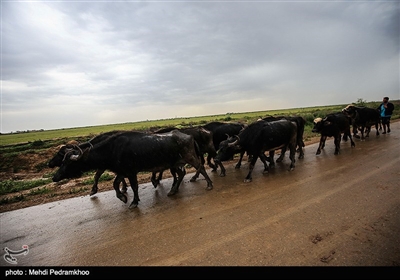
(28, 153)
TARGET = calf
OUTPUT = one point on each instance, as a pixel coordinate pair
(333, 125)
(128, 153)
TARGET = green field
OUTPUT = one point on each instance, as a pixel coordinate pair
(85, 133)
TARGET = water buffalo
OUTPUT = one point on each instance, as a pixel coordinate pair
(363, 118)
(258, 138)
(333, 125)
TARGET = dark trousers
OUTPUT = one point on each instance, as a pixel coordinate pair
(385, 120)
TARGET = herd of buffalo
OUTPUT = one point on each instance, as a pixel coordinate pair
(126, 153)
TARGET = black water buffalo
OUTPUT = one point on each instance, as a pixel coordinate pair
(363, 118)
(333, 125)
(57, 160)
(221, 131)
(258, 138)
(203, 139)
(128, 153)
(300, 122)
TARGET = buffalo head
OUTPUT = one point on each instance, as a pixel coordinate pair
(228, 148)
(72, 163)
(320, 123)
(350, 111)
(62, 150)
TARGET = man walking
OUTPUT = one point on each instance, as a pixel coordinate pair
(386, 109)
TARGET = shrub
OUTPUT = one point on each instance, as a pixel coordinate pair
(37, 143)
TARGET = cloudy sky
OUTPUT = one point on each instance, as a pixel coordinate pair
(81, 63)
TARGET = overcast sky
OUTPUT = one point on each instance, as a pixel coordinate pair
(82, 63)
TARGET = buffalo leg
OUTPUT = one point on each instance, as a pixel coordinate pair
(321, 144)
(264, 160)
(175, 186)
(300, 145)
(210, 164)
(204, 173)
(174, 171)
(96, 179)
(155, 181)
(367, 131)
(124, 186)
(223, 170)
(271, 159)
(239, 163)
(135, 186)
(362, 129)
(376, 127)
(196, 163)
(251, 167)
(351, 141)
(337, 144)
(348, 134)
(97, 176)
(196, 175)
(280, 158)
(200, 168)
(292, 156)
(355, 129)
(119, 194)
(215, 167)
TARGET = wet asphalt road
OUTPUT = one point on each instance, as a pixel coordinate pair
(330, 211)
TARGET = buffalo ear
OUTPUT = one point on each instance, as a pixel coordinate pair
(326, 123)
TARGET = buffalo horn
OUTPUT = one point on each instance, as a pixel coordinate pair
(235, 142)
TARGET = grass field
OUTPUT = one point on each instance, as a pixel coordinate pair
(309, 113)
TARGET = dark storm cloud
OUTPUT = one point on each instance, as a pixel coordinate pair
(109, 62)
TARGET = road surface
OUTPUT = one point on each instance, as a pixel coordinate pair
(341, 210)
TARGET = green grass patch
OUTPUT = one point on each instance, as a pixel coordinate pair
(77, 190)
(12, 186)
(39, 191)
(7, 200)
(104, 177)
